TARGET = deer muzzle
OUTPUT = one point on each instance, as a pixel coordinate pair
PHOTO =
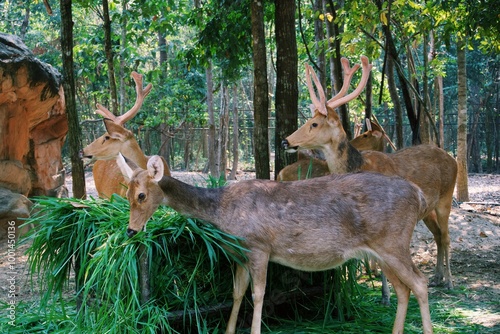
(286, 146)
(131, 232)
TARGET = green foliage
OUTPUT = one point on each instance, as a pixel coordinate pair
(189, 263)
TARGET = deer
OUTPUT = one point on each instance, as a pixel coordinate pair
(107, 176)
(347, 216)
(426, 165)
(309, 166)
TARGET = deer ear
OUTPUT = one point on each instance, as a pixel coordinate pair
(125, 168)
(116, 131)
(155, 167)
(377, 134)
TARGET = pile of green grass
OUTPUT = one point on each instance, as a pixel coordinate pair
(190, 265)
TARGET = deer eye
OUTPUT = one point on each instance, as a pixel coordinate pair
(314, 125)
(107, 137)
(141, 197)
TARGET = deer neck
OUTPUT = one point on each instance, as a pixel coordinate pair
(195, 202)
(342, 157)
(135, 154)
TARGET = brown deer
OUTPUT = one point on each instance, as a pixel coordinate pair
(347, 216)
(309, 166)
(428, 166)
(107, 176)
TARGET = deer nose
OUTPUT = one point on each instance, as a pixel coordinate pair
(82, 155)
(284, 144)
(131, 232)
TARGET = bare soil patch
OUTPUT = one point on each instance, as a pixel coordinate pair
(475, 248)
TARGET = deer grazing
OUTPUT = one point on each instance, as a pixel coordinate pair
(428, 166)
(107, 176)
(347, 216)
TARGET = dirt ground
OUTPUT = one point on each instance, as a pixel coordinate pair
(475, 247)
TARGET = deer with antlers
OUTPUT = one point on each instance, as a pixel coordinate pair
(308, 166)
(347, 216)
(428, 166)
(107, 176)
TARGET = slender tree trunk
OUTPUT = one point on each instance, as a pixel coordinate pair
(319, 37)
(234, 168)
(164, 129)
(26, 21)
(261, 96)
(223, 131)
(398, 111)
(286, 78)
(123, 48)
(425, 133)
(108, 50)
(334, 31)
(462, 181)
(212, 159)
(74, 131)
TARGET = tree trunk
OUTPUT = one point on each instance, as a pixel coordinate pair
(108, 50)
(122, 56)
(319, 37)
(261, 96)
(405, 90)
(425, 122)
(398, 111)
(164, 129)
(212, 164)
(74, 131)
(462, 181)
(234, 168)
(223, 131)
(334, 31)
(286, 79)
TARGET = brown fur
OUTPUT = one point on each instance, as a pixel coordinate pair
(107, 176)
(428, 166)
(347, 216)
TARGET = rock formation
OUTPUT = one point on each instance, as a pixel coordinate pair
(33, 122)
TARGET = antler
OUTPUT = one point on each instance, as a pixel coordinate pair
(320, 104)
(348, 74)
(141, 95)
(339, 99)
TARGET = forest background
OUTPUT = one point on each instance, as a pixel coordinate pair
(228, 76)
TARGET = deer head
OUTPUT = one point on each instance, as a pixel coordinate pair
(144, 193)
(325, 126)
(117, 138)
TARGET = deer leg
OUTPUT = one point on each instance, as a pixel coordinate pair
(405, 277)
(386, 293)
(258, 273)
(443, 215)
(431, 222)
(240, 285)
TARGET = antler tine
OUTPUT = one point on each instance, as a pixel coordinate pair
(368, 124)
(320, 104)
(348, 74)
(366, 68)
(141, 95)
(104, 112)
